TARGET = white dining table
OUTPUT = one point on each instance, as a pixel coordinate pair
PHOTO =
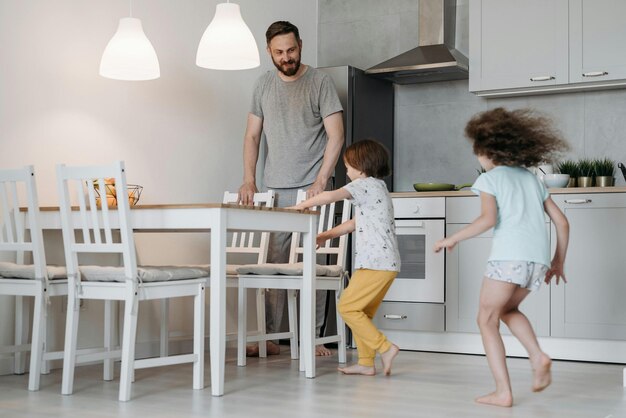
(217, 219)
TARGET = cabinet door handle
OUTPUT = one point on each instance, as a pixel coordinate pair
(595, 74)
(577, 201)
(542, 78)
(417, 209)
(392, 316)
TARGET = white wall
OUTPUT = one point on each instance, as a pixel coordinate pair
(180, 135)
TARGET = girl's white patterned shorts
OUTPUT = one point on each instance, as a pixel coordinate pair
(526, 274)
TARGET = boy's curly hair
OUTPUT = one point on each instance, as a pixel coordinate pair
(370, 157)
(515, 138)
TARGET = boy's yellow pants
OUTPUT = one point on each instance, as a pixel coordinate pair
(358, 305)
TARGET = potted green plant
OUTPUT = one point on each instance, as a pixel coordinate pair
(604, 170)
(569, 167)
(585, 172)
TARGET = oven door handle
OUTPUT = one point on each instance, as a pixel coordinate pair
(410, 223)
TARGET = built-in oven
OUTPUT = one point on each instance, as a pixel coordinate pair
(415, 300)
(420, 222)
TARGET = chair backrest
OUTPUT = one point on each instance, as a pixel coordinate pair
(331, 215)
(96, 223)
(19, 190)
(247, 242)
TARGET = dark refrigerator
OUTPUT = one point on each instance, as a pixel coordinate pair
(368, 106)
(368, 110)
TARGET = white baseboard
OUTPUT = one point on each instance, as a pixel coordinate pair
(604, 351)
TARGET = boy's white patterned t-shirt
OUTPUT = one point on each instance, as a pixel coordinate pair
(376, 246)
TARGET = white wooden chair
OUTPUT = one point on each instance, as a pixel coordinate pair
(18, 189)
(243, 243)
(289, 277)
(94, 228)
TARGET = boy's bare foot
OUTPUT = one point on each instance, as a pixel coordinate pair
(387, 358)
(322, 351)
(358, 369)
(272, 349)
(542, 376)
(497, 399)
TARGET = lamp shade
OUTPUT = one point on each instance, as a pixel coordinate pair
(129, 55)
(227, 43)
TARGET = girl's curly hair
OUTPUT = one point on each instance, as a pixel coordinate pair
(515, 138)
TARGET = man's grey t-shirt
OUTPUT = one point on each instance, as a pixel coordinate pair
(293, 115)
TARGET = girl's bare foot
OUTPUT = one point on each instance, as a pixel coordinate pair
(387, 358)
(542, 377)
(497, 399)
(322, 351)
(358, 369)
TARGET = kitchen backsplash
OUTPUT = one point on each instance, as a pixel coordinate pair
(430, 118)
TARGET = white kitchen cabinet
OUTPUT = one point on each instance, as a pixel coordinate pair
(465, 268)
(593, 302)
(518, 44)
(545, 46)
(597, 38)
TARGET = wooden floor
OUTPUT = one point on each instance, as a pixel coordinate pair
(422, 385)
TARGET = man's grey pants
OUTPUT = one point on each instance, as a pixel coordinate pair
(278, 252)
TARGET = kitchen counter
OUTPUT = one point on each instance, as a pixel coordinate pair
(569, 190)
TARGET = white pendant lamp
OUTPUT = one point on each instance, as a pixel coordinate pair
(227, 43)
(129, 55)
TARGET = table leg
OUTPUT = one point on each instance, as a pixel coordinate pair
(217, 325)
(307, 333)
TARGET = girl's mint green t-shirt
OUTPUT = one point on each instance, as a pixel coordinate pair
(521, 232)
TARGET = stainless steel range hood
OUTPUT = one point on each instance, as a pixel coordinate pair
(436, 58)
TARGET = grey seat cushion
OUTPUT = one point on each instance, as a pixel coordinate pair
(231, 269)
(288, 269)
(145, 274)
(10, 270)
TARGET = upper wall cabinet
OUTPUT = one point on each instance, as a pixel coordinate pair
(597, 40)
(517, 44)
(541, 46)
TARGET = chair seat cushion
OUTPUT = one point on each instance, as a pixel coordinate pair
(288, 269)
(27, 271)
(231, 269)
(144, 273)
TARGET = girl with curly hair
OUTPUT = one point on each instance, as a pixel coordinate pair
(513, 201)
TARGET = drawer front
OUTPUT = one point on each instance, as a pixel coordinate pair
(419, 207)
(410, 316)
(462, 210)
(590, 200)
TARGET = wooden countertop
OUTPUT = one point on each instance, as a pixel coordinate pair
(461, 193)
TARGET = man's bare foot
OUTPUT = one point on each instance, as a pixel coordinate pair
(358, 369)
(387, 358)
(272, 349)
(497, 399)
(322, 351)
(542, 376)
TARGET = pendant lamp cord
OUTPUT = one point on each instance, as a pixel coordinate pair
(130, 7)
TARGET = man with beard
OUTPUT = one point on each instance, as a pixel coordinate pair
(297, 110)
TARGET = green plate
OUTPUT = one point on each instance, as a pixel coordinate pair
(438, 187)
